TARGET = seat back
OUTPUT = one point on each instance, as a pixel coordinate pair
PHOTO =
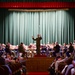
(1, 71)
(6, 70)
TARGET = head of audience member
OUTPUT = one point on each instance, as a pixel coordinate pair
(12, 55)
(3, 45)
(58, 57)
(9, 59)
(16, 60)
(8, 56)
(64, 44)
(8, 43)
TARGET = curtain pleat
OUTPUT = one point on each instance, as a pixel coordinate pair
(53, 26)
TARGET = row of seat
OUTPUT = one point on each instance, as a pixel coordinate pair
(11, 69)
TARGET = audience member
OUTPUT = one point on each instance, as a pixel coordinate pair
(73, 69)
(66, 69)
(3, 63)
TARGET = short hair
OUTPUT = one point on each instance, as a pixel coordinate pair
(21, 42)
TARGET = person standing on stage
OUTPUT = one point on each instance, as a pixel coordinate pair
(37, 43)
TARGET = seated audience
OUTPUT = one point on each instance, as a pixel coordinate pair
(52, 69)
(73, 69)
(3, 64)
(70, 50)
(68, 66)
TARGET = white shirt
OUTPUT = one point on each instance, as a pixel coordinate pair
(72, 71)
(63, 71)
(69, 67)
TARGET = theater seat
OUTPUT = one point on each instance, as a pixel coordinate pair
(12, 67)
(1, 71)
(69, 72)
(74, 73)
(61, 66)
(6, 70)
(15, 68)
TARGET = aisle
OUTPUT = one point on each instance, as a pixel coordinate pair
(38, 73)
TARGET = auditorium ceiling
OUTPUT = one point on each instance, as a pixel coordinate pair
(37, 4)
(37, 0)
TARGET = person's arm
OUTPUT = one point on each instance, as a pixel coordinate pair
(64, 69)
(33, 38)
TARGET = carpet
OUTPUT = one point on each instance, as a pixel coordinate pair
(40, 56)
(38, 73)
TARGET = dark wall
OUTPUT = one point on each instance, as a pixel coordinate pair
(72, 13)
(37, 0)
(74, 24)
(2, 17)
(1, 25)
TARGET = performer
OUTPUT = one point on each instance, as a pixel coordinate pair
(37, 43)
(21, 49)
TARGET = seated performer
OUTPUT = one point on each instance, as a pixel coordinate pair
(21, 49)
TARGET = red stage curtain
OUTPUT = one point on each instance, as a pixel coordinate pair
(42, 5)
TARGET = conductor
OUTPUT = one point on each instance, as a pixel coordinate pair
(37, 43)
